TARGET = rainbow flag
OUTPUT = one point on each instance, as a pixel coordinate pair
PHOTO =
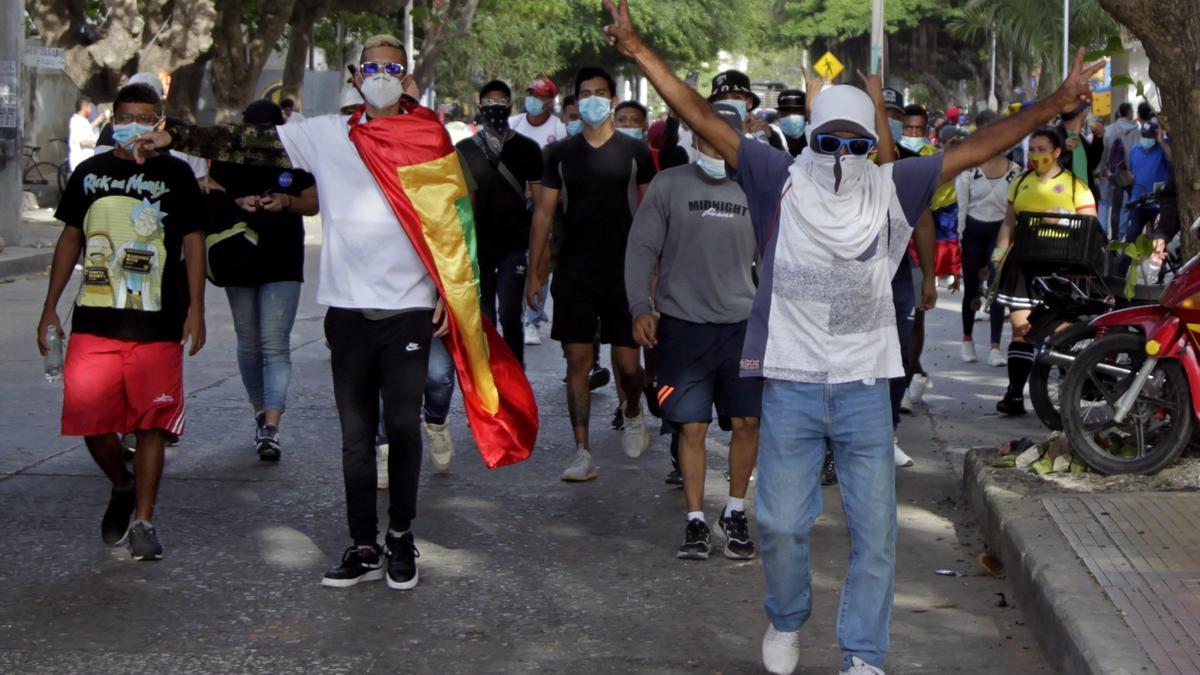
(415, 164)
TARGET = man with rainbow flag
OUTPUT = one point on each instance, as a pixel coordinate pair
(398, 257)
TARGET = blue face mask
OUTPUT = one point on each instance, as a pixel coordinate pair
(912, 143)
(633, 133)
(737, 104)
(792, 125)
(715, 168)
(574, 127)
(595, 109)
(897, 129)
(124, 133)
(534, 106)
(1148, 143)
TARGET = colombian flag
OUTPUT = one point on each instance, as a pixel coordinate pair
(414, 163)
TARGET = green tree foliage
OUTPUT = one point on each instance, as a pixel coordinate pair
(804, 21)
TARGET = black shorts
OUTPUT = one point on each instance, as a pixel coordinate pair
(584, 299)
(698, 367)
(1014, 289)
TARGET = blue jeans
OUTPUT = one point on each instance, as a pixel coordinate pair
(262, 318)
(904, 298)
(799, 422)
(534, 317)
(439, 388)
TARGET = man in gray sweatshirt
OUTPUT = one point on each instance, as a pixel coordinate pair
(694, 228)
(1129, 132)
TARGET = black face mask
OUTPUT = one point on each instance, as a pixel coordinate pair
(496, 116)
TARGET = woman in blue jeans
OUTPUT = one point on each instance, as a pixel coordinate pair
(264, 306)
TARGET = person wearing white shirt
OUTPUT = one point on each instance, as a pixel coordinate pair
(81, 133)
(539, 122)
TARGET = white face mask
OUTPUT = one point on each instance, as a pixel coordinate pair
(834, 176)
(382, 90)
(715, 168)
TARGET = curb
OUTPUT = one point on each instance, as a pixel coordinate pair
(1078, 628)
(18, 262)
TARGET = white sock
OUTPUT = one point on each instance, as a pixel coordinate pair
(583, 448)
(734, 504)
(695, 515)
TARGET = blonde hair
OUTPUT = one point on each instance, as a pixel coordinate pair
(382, 40)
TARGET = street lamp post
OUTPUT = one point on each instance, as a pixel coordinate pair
(877, 36)
(1066, 38)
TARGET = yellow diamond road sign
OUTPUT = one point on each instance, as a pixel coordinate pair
(829, 67)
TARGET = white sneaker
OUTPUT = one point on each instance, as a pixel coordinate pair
(860, 667)
(381, 455)
(532, 336)
(581, 469)
(996, 358)
(902, 458)
(906, 402)
(916, 390)
(968, 352)
(780, 651)
(441, 446)
(636, 437)
(981, 315)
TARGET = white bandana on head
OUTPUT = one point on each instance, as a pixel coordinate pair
(840, 201)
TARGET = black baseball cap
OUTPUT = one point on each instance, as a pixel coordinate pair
(733, 81)
(1149, 129)
(893, 99)
(496, 85)
(790, 99)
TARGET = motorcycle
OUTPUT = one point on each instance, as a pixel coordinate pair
(1131, 400)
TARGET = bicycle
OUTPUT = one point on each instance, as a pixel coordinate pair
(36, 172)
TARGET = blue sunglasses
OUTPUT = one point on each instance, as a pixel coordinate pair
(829, 144)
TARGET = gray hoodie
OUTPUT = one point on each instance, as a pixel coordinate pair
(1128, 131)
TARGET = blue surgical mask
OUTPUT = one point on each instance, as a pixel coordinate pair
(792, 125)
(1148, 143)
(897, 128)
(737, 104)
(574, 127)
(715, 168)
(912, 143)
(124, 133)
(633, 133)
(534, 106)
(595, 109)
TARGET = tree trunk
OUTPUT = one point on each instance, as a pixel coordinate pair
(1170, 34)
(304, 15)
(185, 89)
(446, 20)
(237, 63)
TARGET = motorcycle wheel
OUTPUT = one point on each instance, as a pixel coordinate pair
(1045, 380)
(1157, 428)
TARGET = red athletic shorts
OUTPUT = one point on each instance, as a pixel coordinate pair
(119, 386)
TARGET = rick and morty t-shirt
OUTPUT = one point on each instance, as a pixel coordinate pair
(133, 219)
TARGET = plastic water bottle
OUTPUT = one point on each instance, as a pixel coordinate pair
(54, 355)
(1153, 268)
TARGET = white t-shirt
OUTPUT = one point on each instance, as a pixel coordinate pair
(548, 132)
(367, 261)
(294, 117)
(80, 129)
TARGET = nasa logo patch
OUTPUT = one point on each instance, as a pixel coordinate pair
(285, 179)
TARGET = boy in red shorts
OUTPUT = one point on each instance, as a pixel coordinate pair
(141, 296)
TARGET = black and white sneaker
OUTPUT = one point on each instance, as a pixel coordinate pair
(267, 443)
(696, 541)
(402, 557)
(357, 565)
(260, 421)
(143, 542)
(736, 528)
(114, 528)
(829, 471)
(618, 420)
(674, 478)
(598, 377)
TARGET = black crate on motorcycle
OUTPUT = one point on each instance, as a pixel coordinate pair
(1059, 242)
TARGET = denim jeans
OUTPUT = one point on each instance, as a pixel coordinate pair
(505, 283)
(262, 318)
(439, 388)
(904, 298)
(799, 422)
(534, 317)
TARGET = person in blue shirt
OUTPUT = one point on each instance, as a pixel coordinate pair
(1150, 163)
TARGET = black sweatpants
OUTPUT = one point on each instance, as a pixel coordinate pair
(374, 358)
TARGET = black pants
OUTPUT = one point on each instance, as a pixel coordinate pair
(504, 282)
(978, 241)
(370, 359)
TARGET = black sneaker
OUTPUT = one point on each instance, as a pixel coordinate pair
(738, 545)
(129, 443)
(696, 541)
(402, 557)
(618, 422)
(143, 542)
(358, 564)
(829, 471)
(115, 526)
(172, 440)
(1011, 405)
(598, 377)
(268, 443)
(674, 478)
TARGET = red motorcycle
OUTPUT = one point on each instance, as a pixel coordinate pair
(1131, 400)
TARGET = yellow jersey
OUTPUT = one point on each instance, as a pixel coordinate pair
(1063, 193)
